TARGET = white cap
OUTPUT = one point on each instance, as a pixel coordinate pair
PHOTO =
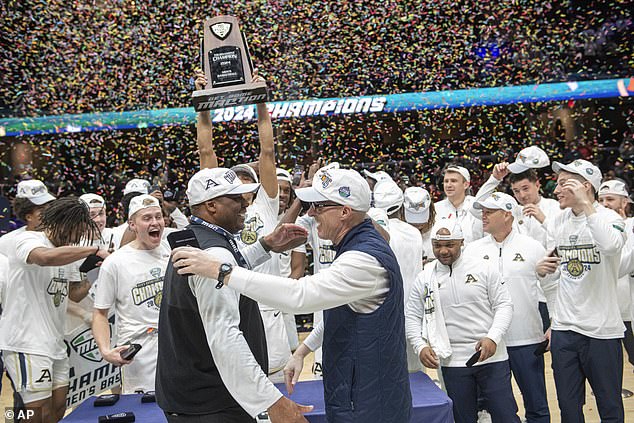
(377, 176)
(452, 225)
(387, 196)
(93, 200)
(333, 165)
(531, 157)
(137, 185)
(342, 186)
(284, 175)
(461, 170)
(615, 187)
(497, 200)
(416, 201)
(35, 191)
(587, 170)
(245, 168)
(141, 202)
(211, 183)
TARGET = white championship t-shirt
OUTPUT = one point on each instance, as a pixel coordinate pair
(35, 303)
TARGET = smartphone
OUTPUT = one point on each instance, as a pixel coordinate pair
(124, 417)
(184, 238)
(149, 396)
(130, 352)
(155, 188)
(297, 175)
(90, 263)
(541, 349)
(554, 253)
(473, 360)
(105, 400)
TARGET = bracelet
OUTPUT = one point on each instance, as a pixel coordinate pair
(266, 247)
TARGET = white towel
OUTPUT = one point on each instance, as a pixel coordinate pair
(434, 329)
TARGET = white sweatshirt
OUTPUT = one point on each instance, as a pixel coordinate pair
(590, 251)
(470, 225)
(516, 258)
(475, 304)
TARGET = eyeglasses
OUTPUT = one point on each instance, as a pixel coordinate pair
(320, 206)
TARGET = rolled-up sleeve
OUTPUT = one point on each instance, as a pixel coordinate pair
(238, 368)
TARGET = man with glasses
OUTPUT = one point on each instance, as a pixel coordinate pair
(361, 294)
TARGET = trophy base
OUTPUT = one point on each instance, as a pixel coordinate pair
(236, 95)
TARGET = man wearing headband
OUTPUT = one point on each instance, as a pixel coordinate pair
(477, 311)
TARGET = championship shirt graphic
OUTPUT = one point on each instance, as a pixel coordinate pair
(251, 227)
(58, 289)
(149, 292)
(577, 260)
(327, 254)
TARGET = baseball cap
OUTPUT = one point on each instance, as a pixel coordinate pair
(615, 187)
(207, 184)
(35, 191)
(137, 185)
(93, 200)
(245, 168)
(284, 175)
(497, 200)
(461, 170)
(141, 202)
(416, 202)
(387, 196)
(342, 186)
(531, 157)
(451, 225)
(584, 168)
(377, 176)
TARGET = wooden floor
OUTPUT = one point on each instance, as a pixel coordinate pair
(590, 409)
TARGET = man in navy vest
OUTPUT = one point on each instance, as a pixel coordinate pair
(212, 357)
(361, 293)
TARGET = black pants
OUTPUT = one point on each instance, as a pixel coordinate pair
(628, 342)
(234, 415)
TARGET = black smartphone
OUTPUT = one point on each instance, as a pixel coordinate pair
(90, 263)
(155, 188)
(149, 396)
(554, 253)
(184, 238)
(104, 400)
(541, 349)
(473, 360)
(124, 417)
(297, 175)
(130, 352)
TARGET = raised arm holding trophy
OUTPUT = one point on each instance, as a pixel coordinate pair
(227, 66)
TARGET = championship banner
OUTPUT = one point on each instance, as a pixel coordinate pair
(90, 374)
(393, 103)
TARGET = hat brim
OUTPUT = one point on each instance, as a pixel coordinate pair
(421, 216)
(243, 189)
(517, 168)
(309, 195)
(42, 199)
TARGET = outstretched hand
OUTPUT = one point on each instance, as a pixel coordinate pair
(286, 237)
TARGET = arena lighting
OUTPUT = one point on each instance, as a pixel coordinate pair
(393, 103)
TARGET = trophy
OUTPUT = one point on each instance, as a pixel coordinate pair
(227, 66)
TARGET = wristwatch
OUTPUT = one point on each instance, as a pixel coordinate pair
(225, 269)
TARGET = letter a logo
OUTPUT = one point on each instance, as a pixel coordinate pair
(45, 377)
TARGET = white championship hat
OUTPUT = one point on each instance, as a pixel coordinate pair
(283, 175)
(497, 200)
(207, 184)
(584, 168)
(93, 200)
(141, 202)
(245, 168)
(378, 176)
(416, 201)
(615, 187)
(461, 170)
(531, 157)
(387, 196)
(35, 191)
(342, 186)
(137, 185)
(451, 225)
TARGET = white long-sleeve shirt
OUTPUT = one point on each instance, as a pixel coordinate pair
(475, 304)
(526, 225)
(470, 225)
(516, 258)
(590, 251)
(220, 315)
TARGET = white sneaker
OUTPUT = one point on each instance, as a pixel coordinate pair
(484, 417)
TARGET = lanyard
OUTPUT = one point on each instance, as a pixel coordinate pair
(236, 251)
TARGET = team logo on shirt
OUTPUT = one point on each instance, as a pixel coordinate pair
(149, 292)
(58, 289)
(327, 254)
(470, 278)
(250, 232)
(518, 257)
(578, 259)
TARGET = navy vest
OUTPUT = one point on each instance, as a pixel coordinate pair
(364, 358)
(187, 380)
